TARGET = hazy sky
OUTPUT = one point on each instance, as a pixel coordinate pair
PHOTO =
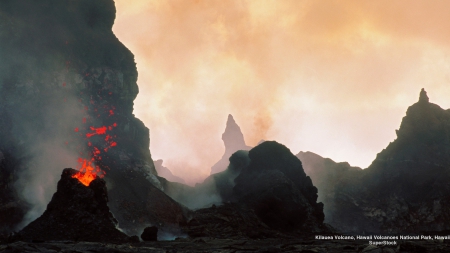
(331, 77)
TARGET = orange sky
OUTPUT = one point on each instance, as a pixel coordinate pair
(331, 77)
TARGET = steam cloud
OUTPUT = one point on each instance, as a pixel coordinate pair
(48, 154)
(39, 106)
(214, 189)
(332, 77)
(43, 133)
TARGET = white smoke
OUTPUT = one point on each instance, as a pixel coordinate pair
(48, 149)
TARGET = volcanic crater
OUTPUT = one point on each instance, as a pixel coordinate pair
(67, 87)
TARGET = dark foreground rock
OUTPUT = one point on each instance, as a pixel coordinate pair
(228, 221)
(150, 234)
(76, 213)
(205, 244)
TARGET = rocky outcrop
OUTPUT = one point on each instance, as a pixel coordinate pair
(233, 140)
(150, 234)
(166, 173)
(405, 189)
(60, 77)
(267, 181)
(275, 185)
(228, 221)
(76, 213)
(326, 175)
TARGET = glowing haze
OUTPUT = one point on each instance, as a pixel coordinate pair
(331, 77)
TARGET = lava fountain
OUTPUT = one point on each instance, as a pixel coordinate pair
(88, 171)
(104, 139)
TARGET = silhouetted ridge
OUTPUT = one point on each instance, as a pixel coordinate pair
(404, 190)
(423, 134)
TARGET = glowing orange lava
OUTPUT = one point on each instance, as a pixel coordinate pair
(87, 172)
(90, 168)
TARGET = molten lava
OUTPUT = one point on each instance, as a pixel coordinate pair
(87, 172)
(90, 167)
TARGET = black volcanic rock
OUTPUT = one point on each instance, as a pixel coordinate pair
(228, 221)
(266, 184)
(150, 234)
(423, 98)
(326, 174)
(405, 189)
(233, 140)
(61, 69)
(275, 185)
(76, 213)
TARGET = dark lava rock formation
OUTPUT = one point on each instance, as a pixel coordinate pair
(76, 213)
(62, 68)
(233, 140)
(275, 185)
(150, 234)
(166, 173)
(405, 189)
(229, 221)
(326, 174)
(266, 184)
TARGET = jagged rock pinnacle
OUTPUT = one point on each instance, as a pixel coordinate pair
(423, 96)
(233, 140)
(233, 137)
